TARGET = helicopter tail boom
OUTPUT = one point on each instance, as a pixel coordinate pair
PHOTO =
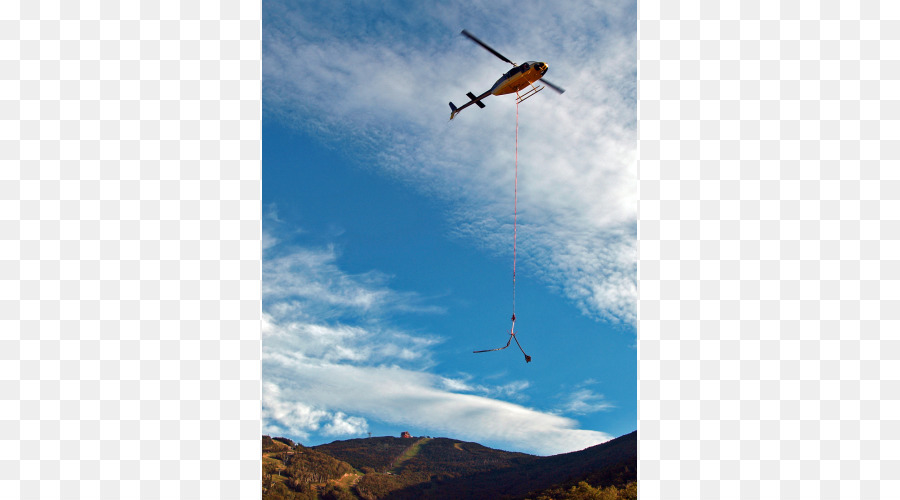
(473, 100)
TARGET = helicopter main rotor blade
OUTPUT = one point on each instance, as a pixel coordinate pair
(486, 46)
(554, 87)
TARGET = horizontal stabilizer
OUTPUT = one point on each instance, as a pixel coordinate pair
(472, 97)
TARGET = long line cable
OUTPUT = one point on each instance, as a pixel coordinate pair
(512, 330)
(515, 210)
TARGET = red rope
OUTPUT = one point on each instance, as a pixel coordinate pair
(515, 210)
(512, 329)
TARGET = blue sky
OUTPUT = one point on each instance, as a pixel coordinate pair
(387, 229)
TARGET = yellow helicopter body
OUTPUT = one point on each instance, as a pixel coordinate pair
(513, 81)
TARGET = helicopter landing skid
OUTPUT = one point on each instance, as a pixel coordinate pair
(530, 92)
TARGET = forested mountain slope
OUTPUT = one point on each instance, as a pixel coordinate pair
(442, 468)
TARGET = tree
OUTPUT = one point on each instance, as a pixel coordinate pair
(268, 472)
(332, 492)
(278, 491)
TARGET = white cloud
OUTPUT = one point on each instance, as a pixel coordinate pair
(414, 398)
(268, 241)
(340, 342)
(282, 416)
(584, 401)
(512, 390)
(331, 375)
(310, 276)
(342, 425)
(388, 93)
(272, 213)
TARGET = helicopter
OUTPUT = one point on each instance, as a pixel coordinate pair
(514, 80)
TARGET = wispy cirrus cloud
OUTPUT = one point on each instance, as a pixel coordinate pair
(511, 390)
(385, 86)
(311, 277)
(584, 401)
(285, 330)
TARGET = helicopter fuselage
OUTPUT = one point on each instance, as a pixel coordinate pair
(519, 77)
(512, 81)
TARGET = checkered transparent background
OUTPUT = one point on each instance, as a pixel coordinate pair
(769, 305)
(129, 249)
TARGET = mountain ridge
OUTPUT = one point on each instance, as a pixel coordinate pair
(394, 468)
